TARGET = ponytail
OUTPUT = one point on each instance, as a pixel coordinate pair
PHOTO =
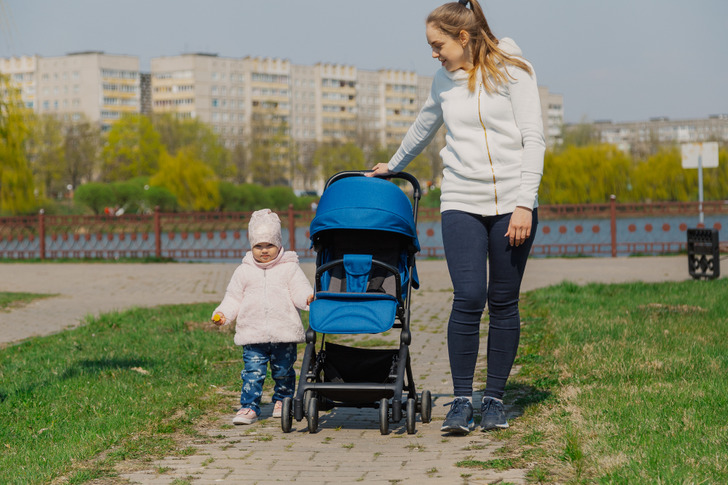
(493, 62)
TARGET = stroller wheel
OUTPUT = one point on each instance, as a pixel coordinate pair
(312, 415)
(426, 407)
(307, 400)
(384, 416)
(411, 415)
(287, 415)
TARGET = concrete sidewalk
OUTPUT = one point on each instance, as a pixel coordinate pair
(91, 288)
(348, 446)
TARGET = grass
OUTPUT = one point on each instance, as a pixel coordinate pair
(616, 384)
(119, 387)
(9, 300)
(623, 384)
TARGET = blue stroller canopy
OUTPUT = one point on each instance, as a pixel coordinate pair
(365, 203)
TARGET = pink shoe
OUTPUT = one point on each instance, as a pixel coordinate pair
(245, 416)
(278, 409)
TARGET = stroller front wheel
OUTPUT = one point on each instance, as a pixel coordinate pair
(411, 415)
(287, 415)
(312, 415)
(384, 416)
(426, 407)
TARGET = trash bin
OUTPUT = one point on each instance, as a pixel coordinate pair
(703, 253)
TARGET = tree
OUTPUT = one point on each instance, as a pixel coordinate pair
(581, 175)
(197, 136)
(240, 158)
(331, 158)
(716, 179)
(579, 135)
(270, 149)
(662, 178)
(44, 147)
(192, 182)
(81, 145)
(132, 149)
(16, 177)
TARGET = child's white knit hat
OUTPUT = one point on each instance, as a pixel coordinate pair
(265, 226)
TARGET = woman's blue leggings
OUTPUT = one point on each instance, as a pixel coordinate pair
(472, 244)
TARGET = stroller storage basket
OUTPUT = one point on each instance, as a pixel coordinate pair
(353, 364)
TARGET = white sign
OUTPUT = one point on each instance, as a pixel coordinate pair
(707, 152)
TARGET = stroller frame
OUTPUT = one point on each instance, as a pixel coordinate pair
(314, 393)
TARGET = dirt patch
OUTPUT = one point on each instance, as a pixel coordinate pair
(682, 309)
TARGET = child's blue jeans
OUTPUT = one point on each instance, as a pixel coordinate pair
(281, 356)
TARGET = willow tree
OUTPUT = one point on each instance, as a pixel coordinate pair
(16, 177)
(132, 149)
(192, 181)
(197, 136)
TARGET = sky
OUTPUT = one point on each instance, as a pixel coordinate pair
(618, 60)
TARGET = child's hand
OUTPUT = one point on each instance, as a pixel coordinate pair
(218, 319)
(309, 300)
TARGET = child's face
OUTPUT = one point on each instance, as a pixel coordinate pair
(265, 252)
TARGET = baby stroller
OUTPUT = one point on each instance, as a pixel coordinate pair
(365, 237)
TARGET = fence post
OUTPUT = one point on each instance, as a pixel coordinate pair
(291, 228)
(157, 233)
(41, 233)
(613, 222)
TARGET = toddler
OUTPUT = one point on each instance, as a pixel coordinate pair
(263, 297)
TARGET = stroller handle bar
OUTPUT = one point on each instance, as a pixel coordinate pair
(416, 192)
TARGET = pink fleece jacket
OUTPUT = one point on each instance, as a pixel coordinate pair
(264, 298)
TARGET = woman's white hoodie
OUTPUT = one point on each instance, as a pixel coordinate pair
(493, 157)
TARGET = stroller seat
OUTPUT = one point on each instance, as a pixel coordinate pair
(362, 305)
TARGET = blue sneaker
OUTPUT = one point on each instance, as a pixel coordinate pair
(493, 415)
(459, 419)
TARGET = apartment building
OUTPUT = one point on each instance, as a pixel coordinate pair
(23, 72)
(244, 100)
(552, 113)
(101, 87)
(636, 136)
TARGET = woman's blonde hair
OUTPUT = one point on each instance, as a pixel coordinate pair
(452, 18)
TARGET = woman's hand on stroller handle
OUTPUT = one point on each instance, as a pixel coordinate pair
(379, 170)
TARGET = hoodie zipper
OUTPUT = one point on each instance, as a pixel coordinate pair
(487, 147)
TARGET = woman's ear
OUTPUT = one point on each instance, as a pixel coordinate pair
(464, 38)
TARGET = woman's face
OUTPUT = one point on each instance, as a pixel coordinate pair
(451, 52)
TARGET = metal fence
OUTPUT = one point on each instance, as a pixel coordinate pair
(612, 229)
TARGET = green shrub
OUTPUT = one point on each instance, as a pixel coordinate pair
(96, 196)
(431, 199)
(281, 197)
(162, 198)
(304, 202)
(254, 197)
(128, 195)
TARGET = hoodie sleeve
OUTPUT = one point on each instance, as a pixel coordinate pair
(526, 105)
(230, 304)
(300, 289)
(421, 133)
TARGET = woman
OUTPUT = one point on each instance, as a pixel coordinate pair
(487, 96)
